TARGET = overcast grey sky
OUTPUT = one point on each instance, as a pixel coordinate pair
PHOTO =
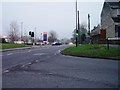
(46, 16)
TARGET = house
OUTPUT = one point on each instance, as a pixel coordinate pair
(110, 19)
(4, 39)
(95, 34)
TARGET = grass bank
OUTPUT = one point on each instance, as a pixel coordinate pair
(10, 45)
(96, 50)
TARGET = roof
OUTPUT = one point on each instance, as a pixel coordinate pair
(96, 30)
(114, 5)
(112, 0)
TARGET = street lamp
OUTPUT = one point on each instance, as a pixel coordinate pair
(21, 29)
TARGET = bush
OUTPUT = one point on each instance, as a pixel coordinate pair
(2, 40)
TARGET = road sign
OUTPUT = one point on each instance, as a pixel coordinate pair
(45, 38)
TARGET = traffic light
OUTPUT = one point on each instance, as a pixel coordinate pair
(29, 32)
(32, 34)
(76, 31)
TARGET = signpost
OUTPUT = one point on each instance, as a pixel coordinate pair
(32, 36)
(45, 38)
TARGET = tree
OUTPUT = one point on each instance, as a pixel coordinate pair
(25, 38)
(65, 40)
(14, 30)
(74, 35)
(52, 36)
(81, 33)
(83, 29)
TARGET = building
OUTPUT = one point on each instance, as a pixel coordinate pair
(110, 19)
(95, 34)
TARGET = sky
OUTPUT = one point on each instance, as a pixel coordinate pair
(57, 15)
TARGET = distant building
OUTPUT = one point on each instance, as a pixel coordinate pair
(110, 19)
(6, 39)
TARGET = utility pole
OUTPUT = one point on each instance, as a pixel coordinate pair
(35, 34)
(41, 37)
(89, 27)
(76, 27)
(21, 29)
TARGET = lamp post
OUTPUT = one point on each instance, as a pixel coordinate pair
(21, 29)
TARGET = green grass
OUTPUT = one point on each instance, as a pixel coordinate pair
(10, 45)
(95, 50)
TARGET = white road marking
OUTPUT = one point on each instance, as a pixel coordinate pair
(29, 63)
(6, 71)
(9, 53)
(39, 54)
(59, 51)
(29, 51)
(23, 66)
(36, 60)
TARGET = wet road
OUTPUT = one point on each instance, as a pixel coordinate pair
(45, 67)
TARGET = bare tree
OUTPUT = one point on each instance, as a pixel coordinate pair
(25, 38)
(14, 30)
(52, 36)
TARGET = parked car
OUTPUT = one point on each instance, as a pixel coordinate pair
(18, 42)
(56, 43)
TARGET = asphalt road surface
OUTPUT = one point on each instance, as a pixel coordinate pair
(45, 67)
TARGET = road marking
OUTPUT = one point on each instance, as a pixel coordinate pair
(29, 63)
(29, 51)
(39, 54)
(23, 66)
(59, 51)
(6, 71)
(10, 54)
(36, 60)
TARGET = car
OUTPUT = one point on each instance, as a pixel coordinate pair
(56, 43)
(70, 43)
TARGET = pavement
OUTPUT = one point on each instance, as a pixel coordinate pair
(45, 67)
(11, 49)
(114, 46)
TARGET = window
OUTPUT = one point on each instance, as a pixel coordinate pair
(118, 11)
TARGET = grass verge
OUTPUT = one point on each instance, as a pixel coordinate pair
(93, 50)
(10, 45)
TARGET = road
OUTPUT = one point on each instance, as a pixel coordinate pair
(45, 67)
